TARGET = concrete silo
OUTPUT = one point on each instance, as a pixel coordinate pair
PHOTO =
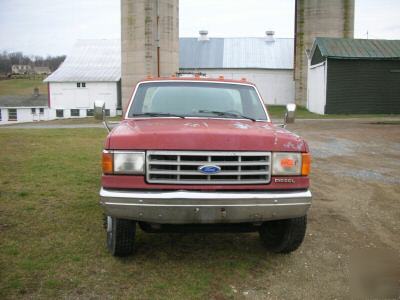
(149, 41)
(323, 18)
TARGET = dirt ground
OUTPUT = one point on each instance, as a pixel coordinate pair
(355, 211)
(52, 240)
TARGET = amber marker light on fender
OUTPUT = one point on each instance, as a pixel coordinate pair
(306, 164)
(107, 163)
(287, 163)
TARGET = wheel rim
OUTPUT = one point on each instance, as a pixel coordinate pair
(109, 224)
(109, 232)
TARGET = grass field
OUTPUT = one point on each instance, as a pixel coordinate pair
(52, 243)
(22, 86)
(278, 111)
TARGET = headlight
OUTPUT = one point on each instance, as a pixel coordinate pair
(120, 162)
(286, 163)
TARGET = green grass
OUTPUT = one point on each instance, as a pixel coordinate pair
(86, 120)
(278, 111)
(22, 86)
(52, 243)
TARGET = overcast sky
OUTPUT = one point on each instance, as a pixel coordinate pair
(52, 26)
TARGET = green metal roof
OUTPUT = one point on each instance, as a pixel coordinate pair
(357, 48)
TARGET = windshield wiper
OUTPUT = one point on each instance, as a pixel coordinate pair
(155, 114)
(226, 114)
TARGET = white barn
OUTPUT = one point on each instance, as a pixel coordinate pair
(267, 62)
(91, 72)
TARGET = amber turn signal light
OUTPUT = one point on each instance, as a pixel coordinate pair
(287, 163)
(306, 164)
(107, 163)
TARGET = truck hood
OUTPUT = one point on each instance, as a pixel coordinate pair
(203, 134)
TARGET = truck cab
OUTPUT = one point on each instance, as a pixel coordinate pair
(194, 154)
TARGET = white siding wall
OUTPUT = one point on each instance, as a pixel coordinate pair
(316, 88)
(67, 96)
(275, 86)
(24, 114)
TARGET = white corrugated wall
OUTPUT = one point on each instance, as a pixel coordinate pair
(67, 96)
(316, 88)
(275, 86)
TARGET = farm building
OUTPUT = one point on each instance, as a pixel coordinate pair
(18, 108)
(354, 76)
(21, 69)
(267, 62)
(28, 69)
(91, 72)
(42, 70)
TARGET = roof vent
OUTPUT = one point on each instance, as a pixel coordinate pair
(270, 36)
(203, 36)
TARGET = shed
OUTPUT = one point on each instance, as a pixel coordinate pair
(266, 61)
(20, 108)
(91, 72)
(354, 76)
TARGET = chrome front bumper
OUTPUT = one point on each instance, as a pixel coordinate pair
(195, 207)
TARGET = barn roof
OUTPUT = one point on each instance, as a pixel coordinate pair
(232, 53)
(90, 60)
(100, 60)
(357, 48)
(24, 101)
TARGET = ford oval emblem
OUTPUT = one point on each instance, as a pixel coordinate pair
(209, 169)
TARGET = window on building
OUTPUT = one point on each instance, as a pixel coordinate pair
(78, 84)
(12, 114)
(59, 113)
(74, 112)
(83, 84)
(33, 110)
(89, 112)
(107, 111)
(41, 111)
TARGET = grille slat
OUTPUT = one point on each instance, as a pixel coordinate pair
(181, 167)
(198, 173)
(198, 163)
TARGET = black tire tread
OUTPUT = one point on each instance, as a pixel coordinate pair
(124, 237)
(291, 239)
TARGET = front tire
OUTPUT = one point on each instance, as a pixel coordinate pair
(120, 236)
(283, 236)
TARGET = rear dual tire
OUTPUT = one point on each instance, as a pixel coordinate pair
(283, 236)
(120, 236)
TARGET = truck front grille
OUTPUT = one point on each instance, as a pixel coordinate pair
(182, 167)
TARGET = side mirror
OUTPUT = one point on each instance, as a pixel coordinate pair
(99, 110)
(100, 113)
(290, 114)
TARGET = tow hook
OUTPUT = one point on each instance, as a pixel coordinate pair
(223, 212)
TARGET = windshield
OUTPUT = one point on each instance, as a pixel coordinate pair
(197, 99)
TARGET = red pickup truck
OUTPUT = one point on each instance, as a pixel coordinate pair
(201, 154)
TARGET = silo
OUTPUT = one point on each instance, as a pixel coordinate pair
(149, 41)
(324, 18)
